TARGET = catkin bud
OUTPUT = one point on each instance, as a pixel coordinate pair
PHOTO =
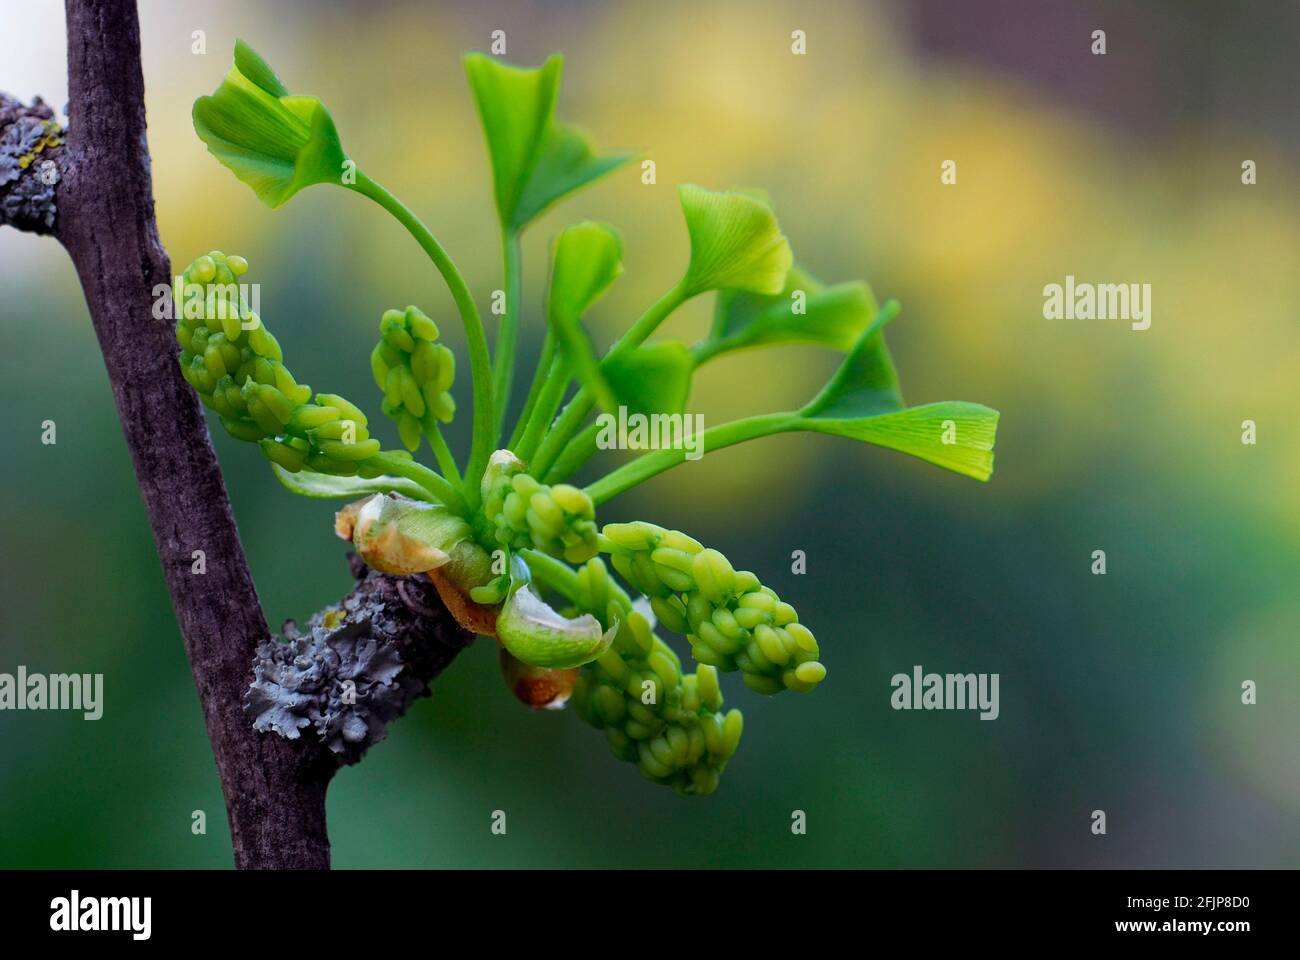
(731, 620)
(679, 737)
(237, 367)
(414, 372)
(559, 521)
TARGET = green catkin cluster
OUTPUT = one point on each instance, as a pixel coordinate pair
(236, 366)
(668, 723)
(732, 621)
(415, 373)
(559, 521)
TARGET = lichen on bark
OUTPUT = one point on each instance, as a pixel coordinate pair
(356, 667)
(30, 139)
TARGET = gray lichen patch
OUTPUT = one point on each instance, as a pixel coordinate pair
(29, 142)
(344, 677)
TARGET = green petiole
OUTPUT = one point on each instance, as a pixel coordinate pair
(575, 413)
(540, 376)
(577, 452)
(480, 360)
(446, 462)
(548, 401)
(715, 438)
(508, 331)
(435, 483)
(649, 321)
(552, 573)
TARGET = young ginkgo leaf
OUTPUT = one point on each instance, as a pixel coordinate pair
(586, 259)
(736, 243)
(953, 434)
(655, 378)
(866, 382)
(566, 164)
(536, 160)
(805, 311)
(274, 142)
(862, 402)
(515, 105)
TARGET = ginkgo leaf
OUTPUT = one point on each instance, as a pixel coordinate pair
(585, 259)
(862, 401)
(735, 243)
(516, 105)
(952, 434)
(321, 486)
(566, 164)
(655, 378)
(866, 383)
(274, 142)
(249, 63)
(805, 311)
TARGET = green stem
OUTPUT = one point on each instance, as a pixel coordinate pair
(715, 438)
(706, 350)
(577, 409)
(446, 462)
(578, 451)
(563, 579)
(535, 389)
(649, 321)
(575, 412)
(547, 403)
(479, 358)
(508, 332)
(431, 481)
(553, 573)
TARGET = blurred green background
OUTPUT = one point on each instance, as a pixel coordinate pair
(1119, 692)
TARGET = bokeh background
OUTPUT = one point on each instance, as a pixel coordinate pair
(1119, 692)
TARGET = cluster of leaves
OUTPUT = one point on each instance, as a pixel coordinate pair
(499, 535)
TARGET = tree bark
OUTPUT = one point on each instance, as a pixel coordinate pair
(274, 788)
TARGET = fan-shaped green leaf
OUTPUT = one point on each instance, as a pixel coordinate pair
(585, 259)
(655, 378)
(274, 142)
(953, 434)
(806, 311)
(862, 401)
(866, 382)
(567, 163)
(515, 105)
(735, 243)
